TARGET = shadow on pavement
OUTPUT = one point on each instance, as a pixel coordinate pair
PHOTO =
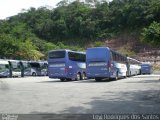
(50, 116)
(53, 81)
(80, 81)
(145, 81)
(146, 76)
(123, 102)
(93, 81)
(138, 102)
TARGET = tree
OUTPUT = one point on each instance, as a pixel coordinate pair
(151, 34)
(62, 3)
(29, 51)
(9, 46)
(30, 34)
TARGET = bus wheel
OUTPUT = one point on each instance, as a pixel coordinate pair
(78, 76)
(98, 79)
(130, 74)
(140, 73)
(33, 74)
(127, 74)
(136, 73)
(62, 80)
(83, 76)
(116, 76)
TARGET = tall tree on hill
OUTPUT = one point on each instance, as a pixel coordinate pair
(151, 34)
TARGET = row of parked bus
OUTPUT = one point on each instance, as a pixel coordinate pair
(96, 63)
(18, 68)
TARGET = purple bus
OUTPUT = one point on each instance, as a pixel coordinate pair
(102, 62)
(66, 65)
(146, 68)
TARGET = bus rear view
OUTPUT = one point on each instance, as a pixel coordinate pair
(57, 65)
(146, 68)
(102, 62)
(98, 63)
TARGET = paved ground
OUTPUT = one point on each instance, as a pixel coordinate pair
(139, 94)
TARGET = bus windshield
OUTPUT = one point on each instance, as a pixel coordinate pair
(26, 65)
(16, 66)
(57, 54)
(36, 65)
(3, 67)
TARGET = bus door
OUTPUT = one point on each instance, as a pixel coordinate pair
(43, 66)
(26, 68)
(16, 68)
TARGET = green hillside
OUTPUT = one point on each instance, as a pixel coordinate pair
(31, 33)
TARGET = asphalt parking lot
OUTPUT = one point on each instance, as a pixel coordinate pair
(41, 95)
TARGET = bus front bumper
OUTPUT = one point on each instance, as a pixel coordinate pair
(97, 75)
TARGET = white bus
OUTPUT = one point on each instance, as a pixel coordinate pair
(4, 68)
(134, 66)
(38, 68)
(16, 68)
(26, 68)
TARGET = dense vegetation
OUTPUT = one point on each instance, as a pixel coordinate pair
(31, 33)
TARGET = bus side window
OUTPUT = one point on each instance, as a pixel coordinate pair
(111, 55)
(117, 58)
(18, 66)
(7, 66)
(114, 56)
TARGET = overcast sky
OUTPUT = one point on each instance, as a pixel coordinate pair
(12, 7)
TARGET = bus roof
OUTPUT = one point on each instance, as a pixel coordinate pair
(106, 48)
(3, 61)
(133, 59)
(99, 48)
(67, 51)
(60, 50)
(146, 63)
(24, 61)
(13, 60)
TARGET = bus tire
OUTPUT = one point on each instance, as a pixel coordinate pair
(62, 79)
(140, 73)
(68, 79)
(78, 76)
(130, 74)
(98, 79)
(127, 74)
(83, 76)
(33, 74)
(136, 73)
(116, 78)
